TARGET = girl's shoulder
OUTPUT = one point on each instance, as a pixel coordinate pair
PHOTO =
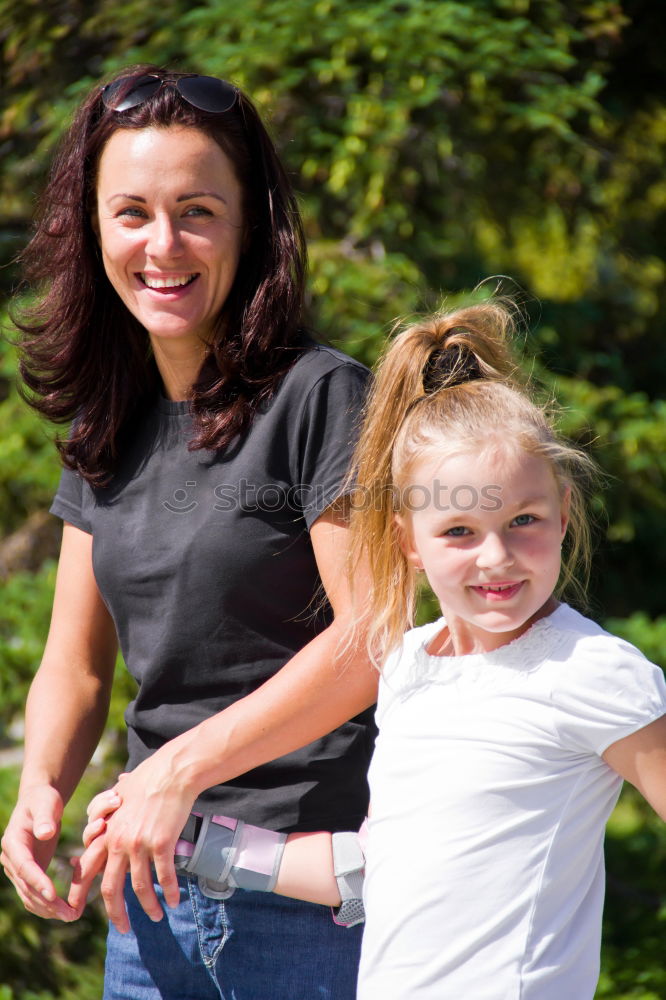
(587, 639)
(602, 688)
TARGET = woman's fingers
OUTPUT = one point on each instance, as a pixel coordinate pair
(28, 845)
(165, 871)
(133, 851)
(85, 869)
(142, 829)
(103, 804)
(93, 830)
(142, 882)
(112, 889)
(35, 889)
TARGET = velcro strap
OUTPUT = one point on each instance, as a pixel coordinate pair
(215, 849)
(349, 870)
(228, 854)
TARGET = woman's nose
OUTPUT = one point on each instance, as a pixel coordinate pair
(165, 239)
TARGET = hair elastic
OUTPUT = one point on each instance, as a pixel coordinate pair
(449, 366)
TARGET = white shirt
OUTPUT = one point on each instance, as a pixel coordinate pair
(485, 873)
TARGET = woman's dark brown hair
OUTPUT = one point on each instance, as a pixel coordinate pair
(84, 356)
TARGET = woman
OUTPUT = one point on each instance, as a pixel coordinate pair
(201, 505)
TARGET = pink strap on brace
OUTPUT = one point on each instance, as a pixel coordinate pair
(256, 851)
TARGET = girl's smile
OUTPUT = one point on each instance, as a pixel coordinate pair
(493, 567)
(498, 591)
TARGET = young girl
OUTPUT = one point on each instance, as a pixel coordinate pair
(506, 726)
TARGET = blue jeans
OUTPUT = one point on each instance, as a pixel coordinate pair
(253, 946)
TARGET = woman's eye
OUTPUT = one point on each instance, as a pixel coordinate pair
(198, 210)
(132, 212)
(523, 519)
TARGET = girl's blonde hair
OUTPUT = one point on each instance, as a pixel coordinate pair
(474, 396)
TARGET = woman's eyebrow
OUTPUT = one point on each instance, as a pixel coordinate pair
(201, 194)
(181, 197)
(129, 197)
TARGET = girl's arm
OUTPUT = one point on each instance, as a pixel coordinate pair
(641, 759)
(65, 715)
(323, 685)
(306, 871)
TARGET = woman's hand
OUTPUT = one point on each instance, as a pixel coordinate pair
(103, 805)
(153, 808)
(28, 845)
(91, 862)
(65, 715)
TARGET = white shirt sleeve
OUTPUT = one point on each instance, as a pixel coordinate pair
(607, 690)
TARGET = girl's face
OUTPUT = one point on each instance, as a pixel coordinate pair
(487, 530)
(170, 226)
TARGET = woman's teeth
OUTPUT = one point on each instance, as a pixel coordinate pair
(173, 281)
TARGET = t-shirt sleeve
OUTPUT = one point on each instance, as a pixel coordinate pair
(608, 693)
(328, 427)
(68, 501)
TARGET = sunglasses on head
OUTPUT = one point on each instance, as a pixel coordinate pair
(206, 93)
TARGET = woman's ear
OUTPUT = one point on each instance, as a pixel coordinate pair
(406, 541)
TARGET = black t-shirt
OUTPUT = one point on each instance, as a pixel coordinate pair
(205, 563)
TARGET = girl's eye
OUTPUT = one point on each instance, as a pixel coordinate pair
(459, 531)
(523, 519)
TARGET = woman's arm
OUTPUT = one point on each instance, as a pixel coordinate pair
(641, 759)
(323, 685)
(65, 715)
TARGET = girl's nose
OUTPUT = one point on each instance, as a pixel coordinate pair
(494, 553)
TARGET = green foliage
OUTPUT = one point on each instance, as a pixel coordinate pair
(28, 473)
(649, 635)
(635, 916)
(628, 435)
(24, 619)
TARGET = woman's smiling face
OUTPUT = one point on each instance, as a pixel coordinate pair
(170, 225)
(487, 532)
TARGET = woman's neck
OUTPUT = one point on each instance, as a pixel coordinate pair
(179, 366)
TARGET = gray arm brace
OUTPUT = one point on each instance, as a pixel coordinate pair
(227, 854)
